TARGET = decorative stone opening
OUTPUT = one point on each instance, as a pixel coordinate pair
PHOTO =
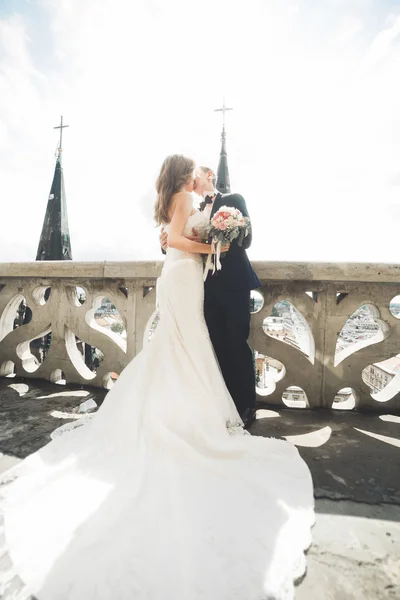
(345, 399)
(394, 307)
(33, 352)
(288, 325)
(58, 376)
(383, 379)
(85, 358)
(363, 328)
(256, 302)
(15, 314)
(41, 294)
(268, 372)
(105, 318)
(76, 295)
(295, 397)
(7, 369)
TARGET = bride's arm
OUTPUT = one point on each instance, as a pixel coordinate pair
(176, 239)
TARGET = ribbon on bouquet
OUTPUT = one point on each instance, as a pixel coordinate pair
(213, 260)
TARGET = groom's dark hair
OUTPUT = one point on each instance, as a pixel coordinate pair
(206, 170)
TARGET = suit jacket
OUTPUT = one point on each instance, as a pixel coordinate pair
(237, 272)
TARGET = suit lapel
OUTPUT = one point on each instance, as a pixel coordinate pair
(216, 205)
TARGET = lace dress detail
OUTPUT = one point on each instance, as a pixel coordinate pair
(143, 500)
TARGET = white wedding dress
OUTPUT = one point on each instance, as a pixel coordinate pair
(161, 496)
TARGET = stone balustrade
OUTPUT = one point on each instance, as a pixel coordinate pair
(298, 350)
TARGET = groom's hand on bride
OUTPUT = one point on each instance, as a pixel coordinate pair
(163, 239)
(225, 247)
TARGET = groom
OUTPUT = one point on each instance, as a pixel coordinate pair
(227, 302)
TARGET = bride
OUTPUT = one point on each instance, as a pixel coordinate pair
(162, 495)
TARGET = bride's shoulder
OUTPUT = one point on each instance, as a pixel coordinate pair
(181, 201)
(183, 195)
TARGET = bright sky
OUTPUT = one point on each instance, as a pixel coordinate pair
(313, 142)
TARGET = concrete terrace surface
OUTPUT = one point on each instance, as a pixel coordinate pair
(354, 459)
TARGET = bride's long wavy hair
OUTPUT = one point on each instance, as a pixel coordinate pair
(176, 171)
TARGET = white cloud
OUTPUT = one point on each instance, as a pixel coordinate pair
(313, 142)
(382, 43)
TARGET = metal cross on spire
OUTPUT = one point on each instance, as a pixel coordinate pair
(60, 127)
(223, 110)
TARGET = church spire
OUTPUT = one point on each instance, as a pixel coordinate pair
(223, 181)
(55, 243)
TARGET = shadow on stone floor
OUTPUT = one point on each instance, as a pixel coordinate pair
(346, 463)
(30, 410)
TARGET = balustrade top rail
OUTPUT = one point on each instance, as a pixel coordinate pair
(266, 270)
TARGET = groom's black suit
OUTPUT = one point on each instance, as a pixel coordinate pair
(227, 313)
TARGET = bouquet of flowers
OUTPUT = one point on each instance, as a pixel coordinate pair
(227, 224)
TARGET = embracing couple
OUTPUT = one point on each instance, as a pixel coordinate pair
(164, 495)
(226, 292)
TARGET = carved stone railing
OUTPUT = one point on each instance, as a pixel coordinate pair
(323, 295)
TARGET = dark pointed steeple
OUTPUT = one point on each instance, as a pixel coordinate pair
(55, 243)
(223, 182)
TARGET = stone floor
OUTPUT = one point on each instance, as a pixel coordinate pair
(354, 459)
